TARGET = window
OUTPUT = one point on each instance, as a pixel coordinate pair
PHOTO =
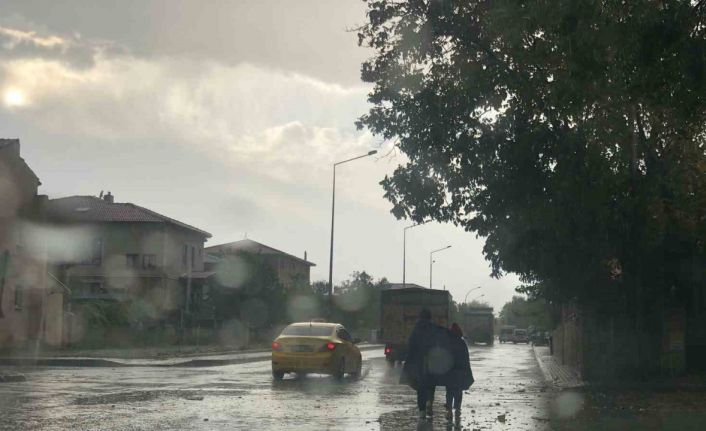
(92, 289)
(149, 261)
(308, 330)
(97, 251)
(184, 255)
(343, 334)
(193, 256)
(91, 253)
(19, 296)
(132, 260)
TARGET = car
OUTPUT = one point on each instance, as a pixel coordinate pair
(520, 336)
(506, 334)
(540, 338)
(316, 347)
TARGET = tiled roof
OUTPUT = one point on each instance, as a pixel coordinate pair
(94, 209)
(407, 286)
(254, 247)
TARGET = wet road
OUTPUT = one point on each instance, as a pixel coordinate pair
(244, 396)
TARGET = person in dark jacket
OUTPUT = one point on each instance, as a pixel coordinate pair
(416, 372)
(460, 377)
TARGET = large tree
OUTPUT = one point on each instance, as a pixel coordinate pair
(569, 134)
(523, 313)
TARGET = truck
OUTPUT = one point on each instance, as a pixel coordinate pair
(506, 334)
(399, 312)
(477, 324)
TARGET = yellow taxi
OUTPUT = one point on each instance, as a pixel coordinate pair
(316, 347)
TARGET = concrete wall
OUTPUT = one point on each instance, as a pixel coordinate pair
(696, 330)
(120, 239)
(290, 271)
(567, 339)
(176, 239)
(25, 272)
(54, 319)
(609, 346)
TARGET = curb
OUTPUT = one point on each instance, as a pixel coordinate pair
(543, 368)
(115, 363)
(556, 381)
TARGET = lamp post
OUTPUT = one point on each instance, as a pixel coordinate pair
(404, 251)
(333, 212)
(478, 297)
(466, 297)
(431, 262)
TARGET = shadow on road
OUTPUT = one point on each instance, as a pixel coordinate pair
(318, 383)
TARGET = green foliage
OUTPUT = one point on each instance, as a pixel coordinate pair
(257, 299)
(570, 134)
(320, 287)
(523, 313)
(105, 314)
(356, 302)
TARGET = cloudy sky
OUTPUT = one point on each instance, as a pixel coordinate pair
(226, 115)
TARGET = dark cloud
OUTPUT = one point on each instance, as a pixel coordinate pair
(305, 36)
(20, 39)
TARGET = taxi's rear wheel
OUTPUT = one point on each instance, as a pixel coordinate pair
(278, 375)
(341, 369)
(358, 369)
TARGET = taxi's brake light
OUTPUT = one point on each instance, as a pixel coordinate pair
(388, 350)
(276, 345)
(330, 346)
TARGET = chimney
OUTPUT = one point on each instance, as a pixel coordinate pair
(304, 254)
(109, 198)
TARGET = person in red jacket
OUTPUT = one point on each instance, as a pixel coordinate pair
(460, 378)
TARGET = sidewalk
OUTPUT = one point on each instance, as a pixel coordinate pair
(563, 377)
(204, 360)
(555, 374)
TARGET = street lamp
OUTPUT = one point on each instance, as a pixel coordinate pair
(404, 251)
(466, 297)
(333, 212)
(478, 297)
(431, 262)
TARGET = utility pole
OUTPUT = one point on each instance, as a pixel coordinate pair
(431, 263)
(333, 214)
(404, 251)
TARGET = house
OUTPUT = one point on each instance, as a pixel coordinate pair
(30, 308)
(290, 269)
(122, 252)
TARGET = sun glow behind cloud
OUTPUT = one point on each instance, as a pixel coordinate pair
(14, 97)
(249, 141)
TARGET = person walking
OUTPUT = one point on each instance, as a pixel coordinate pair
(416, 371)
(460, 377)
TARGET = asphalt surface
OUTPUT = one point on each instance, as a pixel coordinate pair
(509, 394)
(209, 360)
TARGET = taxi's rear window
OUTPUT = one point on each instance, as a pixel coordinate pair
(311, 331)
